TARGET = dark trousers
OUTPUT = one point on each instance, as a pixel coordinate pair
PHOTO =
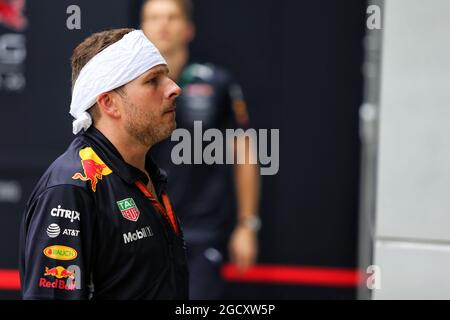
(205, 261)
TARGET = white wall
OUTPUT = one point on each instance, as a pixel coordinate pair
(412, 244)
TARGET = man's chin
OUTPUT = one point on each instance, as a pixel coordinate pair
(172, 128)
(168, 132)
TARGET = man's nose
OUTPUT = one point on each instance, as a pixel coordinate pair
(173, 90)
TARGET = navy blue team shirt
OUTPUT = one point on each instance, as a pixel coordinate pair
(89, 232)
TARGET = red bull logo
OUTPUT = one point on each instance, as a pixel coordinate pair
(93, 167)
(11, 14)
(57, 284)
(59, 272)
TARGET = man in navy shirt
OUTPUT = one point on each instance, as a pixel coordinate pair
(209, 198)
(99, 224)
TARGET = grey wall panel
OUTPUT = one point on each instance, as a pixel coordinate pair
(414, 159)
(413, 270)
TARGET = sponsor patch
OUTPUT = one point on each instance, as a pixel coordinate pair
(128, 209)
(93, 168)
(137, 235)
(58, 252)
(53, 230)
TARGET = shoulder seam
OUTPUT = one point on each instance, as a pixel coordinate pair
(63, 184)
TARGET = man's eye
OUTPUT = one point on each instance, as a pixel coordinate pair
(153, 81)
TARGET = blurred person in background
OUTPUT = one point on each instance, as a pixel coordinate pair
(204, 195)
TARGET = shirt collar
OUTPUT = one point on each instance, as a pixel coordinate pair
(113, 159)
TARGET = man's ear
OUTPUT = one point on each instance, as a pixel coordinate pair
(108, 104)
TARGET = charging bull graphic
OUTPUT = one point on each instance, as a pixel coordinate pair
(94, 168)
(59, 272)
(11, 14)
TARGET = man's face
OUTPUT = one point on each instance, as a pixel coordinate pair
(148, 106)
(164, 23)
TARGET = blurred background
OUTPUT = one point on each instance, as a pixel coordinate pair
(358, 90)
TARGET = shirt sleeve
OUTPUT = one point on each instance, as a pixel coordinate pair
(239, 117)
(58, 244)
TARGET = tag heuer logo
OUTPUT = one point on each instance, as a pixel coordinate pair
(128, 209)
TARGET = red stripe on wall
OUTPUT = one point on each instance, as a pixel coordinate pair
(274, 274)
(295, 275)
(9, 280)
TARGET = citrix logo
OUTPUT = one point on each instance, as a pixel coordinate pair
(67, 214)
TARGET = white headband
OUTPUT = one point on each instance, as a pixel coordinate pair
(118, 64)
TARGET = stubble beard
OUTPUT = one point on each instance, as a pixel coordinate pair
(144, 127)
